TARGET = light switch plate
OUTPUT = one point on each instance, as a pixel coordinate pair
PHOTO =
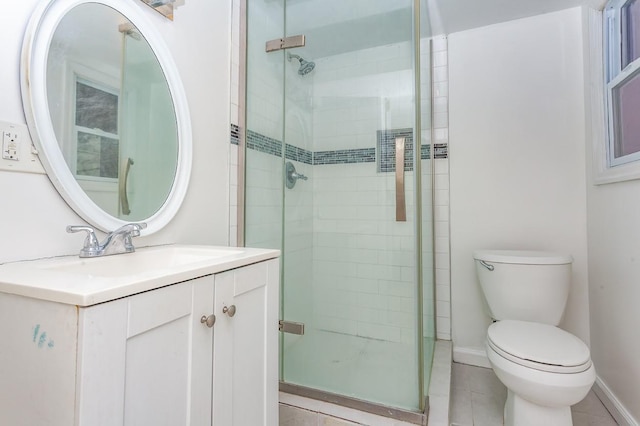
(18, 152)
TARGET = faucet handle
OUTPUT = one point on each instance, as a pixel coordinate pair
(137, 227)
(91, 242)
(132, 229)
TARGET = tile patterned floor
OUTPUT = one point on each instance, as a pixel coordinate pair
(294, 416)
(478, 399)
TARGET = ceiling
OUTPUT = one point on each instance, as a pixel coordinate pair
(450, 16)
(338, 26)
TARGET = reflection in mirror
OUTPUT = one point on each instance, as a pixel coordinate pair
(165, 7)
(112, 112)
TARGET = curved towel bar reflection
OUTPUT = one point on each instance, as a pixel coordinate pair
(122, 188)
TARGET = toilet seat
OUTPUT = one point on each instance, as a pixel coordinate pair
(539, 346)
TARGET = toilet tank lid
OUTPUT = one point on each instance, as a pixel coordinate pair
(525, 257)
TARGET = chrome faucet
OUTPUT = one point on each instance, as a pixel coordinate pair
(116, 242)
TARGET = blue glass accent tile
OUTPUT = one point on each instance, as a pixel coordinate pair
(298, 154)
(425, 152)
(235, 134)
(385, 150)
(263, 143)
(345, 156)
(386, 142)
(441, 150)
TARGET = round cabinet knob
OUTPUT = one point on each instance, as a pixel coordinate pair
(231, 310)
(208, 320)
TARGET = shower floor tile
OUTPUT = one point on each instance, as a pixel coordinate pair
(318, 413)
(478, 399)
(374, 370)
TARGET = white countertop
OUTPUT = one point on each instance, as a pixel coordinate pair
(89, 281)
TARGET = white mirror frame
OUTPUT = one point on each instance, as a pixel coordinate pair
(33, 75)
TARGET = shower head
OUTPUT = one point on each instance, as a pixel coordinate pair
(305, 66)
(128, 29)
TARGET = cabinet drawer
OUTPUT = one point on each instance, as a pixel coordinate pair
(250, 278)
(155, 308)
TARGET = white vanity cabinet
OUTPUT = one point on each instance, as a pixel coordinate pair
(148, 358)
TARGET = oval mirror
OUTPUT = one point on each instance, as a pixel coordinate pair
(107, 111)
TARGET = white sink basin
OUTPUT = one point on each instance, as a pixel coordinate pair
(143, 261)
(86, 282)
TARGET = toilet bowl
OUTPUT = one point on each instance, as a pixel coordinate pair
(545, 369)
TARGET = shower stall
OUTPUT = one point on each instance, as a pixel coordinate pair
(337, 174)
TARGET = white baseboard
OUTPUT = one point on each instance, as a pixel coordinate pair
(471, 356)
(615, 407)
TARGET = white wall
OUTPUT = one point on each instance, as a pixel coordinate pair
(517, 158)
(614, 273)
(34, 217)
(614, 288)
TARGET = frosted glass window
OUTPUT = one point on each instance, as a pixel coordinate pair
(96, 108)
(625, 114)
(97, 156)
(96, 129)
(630, 30)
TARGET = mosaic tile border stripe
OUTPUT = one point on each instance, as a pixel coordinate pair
(262, 143)
(235, 134)
(344, 156)
(301, 155)
(440, 151)
(385, 146)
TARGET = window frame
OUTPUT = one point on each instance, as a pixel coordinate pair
(106, 88)
(615, 77)
(107, 80)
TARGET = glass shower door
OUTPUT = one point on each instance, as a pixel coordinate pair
(334, 178)
(350, 230)
(149, 148)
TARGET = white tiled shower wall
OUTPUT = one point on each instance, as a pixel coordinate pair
(385, 306)
(237, 9)
(440, 90)
(264, 194)
(363, 259)
(363, 275)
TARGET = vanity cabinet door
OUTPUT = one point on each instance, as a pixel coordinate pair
(168, 356)
(147, 359)
(245, 373)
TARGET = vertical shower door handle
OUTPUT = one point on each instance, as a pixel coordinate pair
(401, 207)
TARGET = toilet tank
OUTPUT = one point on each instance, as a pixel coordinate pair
(524, 285)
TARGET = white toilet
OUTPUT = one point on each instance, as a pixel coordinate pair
(545, 369)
